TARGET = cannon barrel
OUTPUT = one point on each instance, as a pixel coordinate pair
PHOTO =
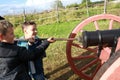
(99, 37)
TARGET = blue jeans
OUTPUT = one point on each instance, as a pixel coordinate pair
(39, 75)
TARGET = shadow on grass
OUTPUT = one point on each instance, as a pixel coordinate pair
(64, 76)
(69, 74)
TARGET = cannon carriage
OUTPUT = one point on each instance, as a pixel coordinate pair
(87, 58)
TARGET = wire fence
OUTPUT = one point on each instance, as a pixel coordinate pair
(60, 15)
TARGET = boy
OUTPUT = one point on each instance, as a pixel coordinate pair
(12, 57)
(36, 67)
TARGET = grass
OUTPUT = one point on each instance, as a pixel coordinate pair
(55, 64)
(55, 30)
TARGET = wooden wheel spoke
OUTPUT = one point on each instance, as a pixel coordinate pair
(84, 57)
(97, 68)
(76, 45)
(111, 24)
(92, 50)
(89, 49)
(89, 64)
(96, 25)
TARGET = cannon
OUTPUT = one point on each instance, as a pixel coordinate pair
(104, 38)
(99, 42)
(100, 38)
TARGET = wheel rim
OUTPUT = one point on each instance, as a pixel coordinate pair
(82, 60)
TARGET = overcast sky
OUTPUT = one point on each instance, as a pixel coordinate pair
(16, 6)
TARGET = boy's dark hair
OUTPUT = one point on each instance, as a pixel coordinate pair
(1, 18)
(27, 23)
(4, 25)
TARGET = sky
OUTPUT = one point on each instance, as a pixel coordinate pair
(17, 6)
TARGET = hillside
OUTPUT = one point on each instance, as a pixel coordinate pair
(67, 14)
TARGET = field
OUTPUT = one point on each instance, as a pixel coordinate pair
(55, 64)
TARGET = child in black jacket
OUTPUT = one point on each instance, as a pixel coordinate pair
(12, 57)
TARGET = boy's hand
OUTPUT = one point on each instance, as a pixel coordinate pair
(51, 40)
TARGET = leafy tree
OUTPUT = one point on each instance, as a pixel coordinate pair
(72, 5)
(57, 4)
(111, 0)
(84, 1)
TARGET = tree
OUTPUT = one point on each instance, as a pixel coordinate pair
(57, 4)
(72, 5)
(84, 1)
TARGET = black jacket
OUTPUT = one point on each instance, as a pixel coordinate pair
(13, 59)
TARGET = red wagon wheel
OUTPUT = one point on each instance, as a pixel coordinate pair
(84, 61)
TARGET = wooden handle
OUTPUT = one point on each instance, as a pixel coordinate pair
(57, 39)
